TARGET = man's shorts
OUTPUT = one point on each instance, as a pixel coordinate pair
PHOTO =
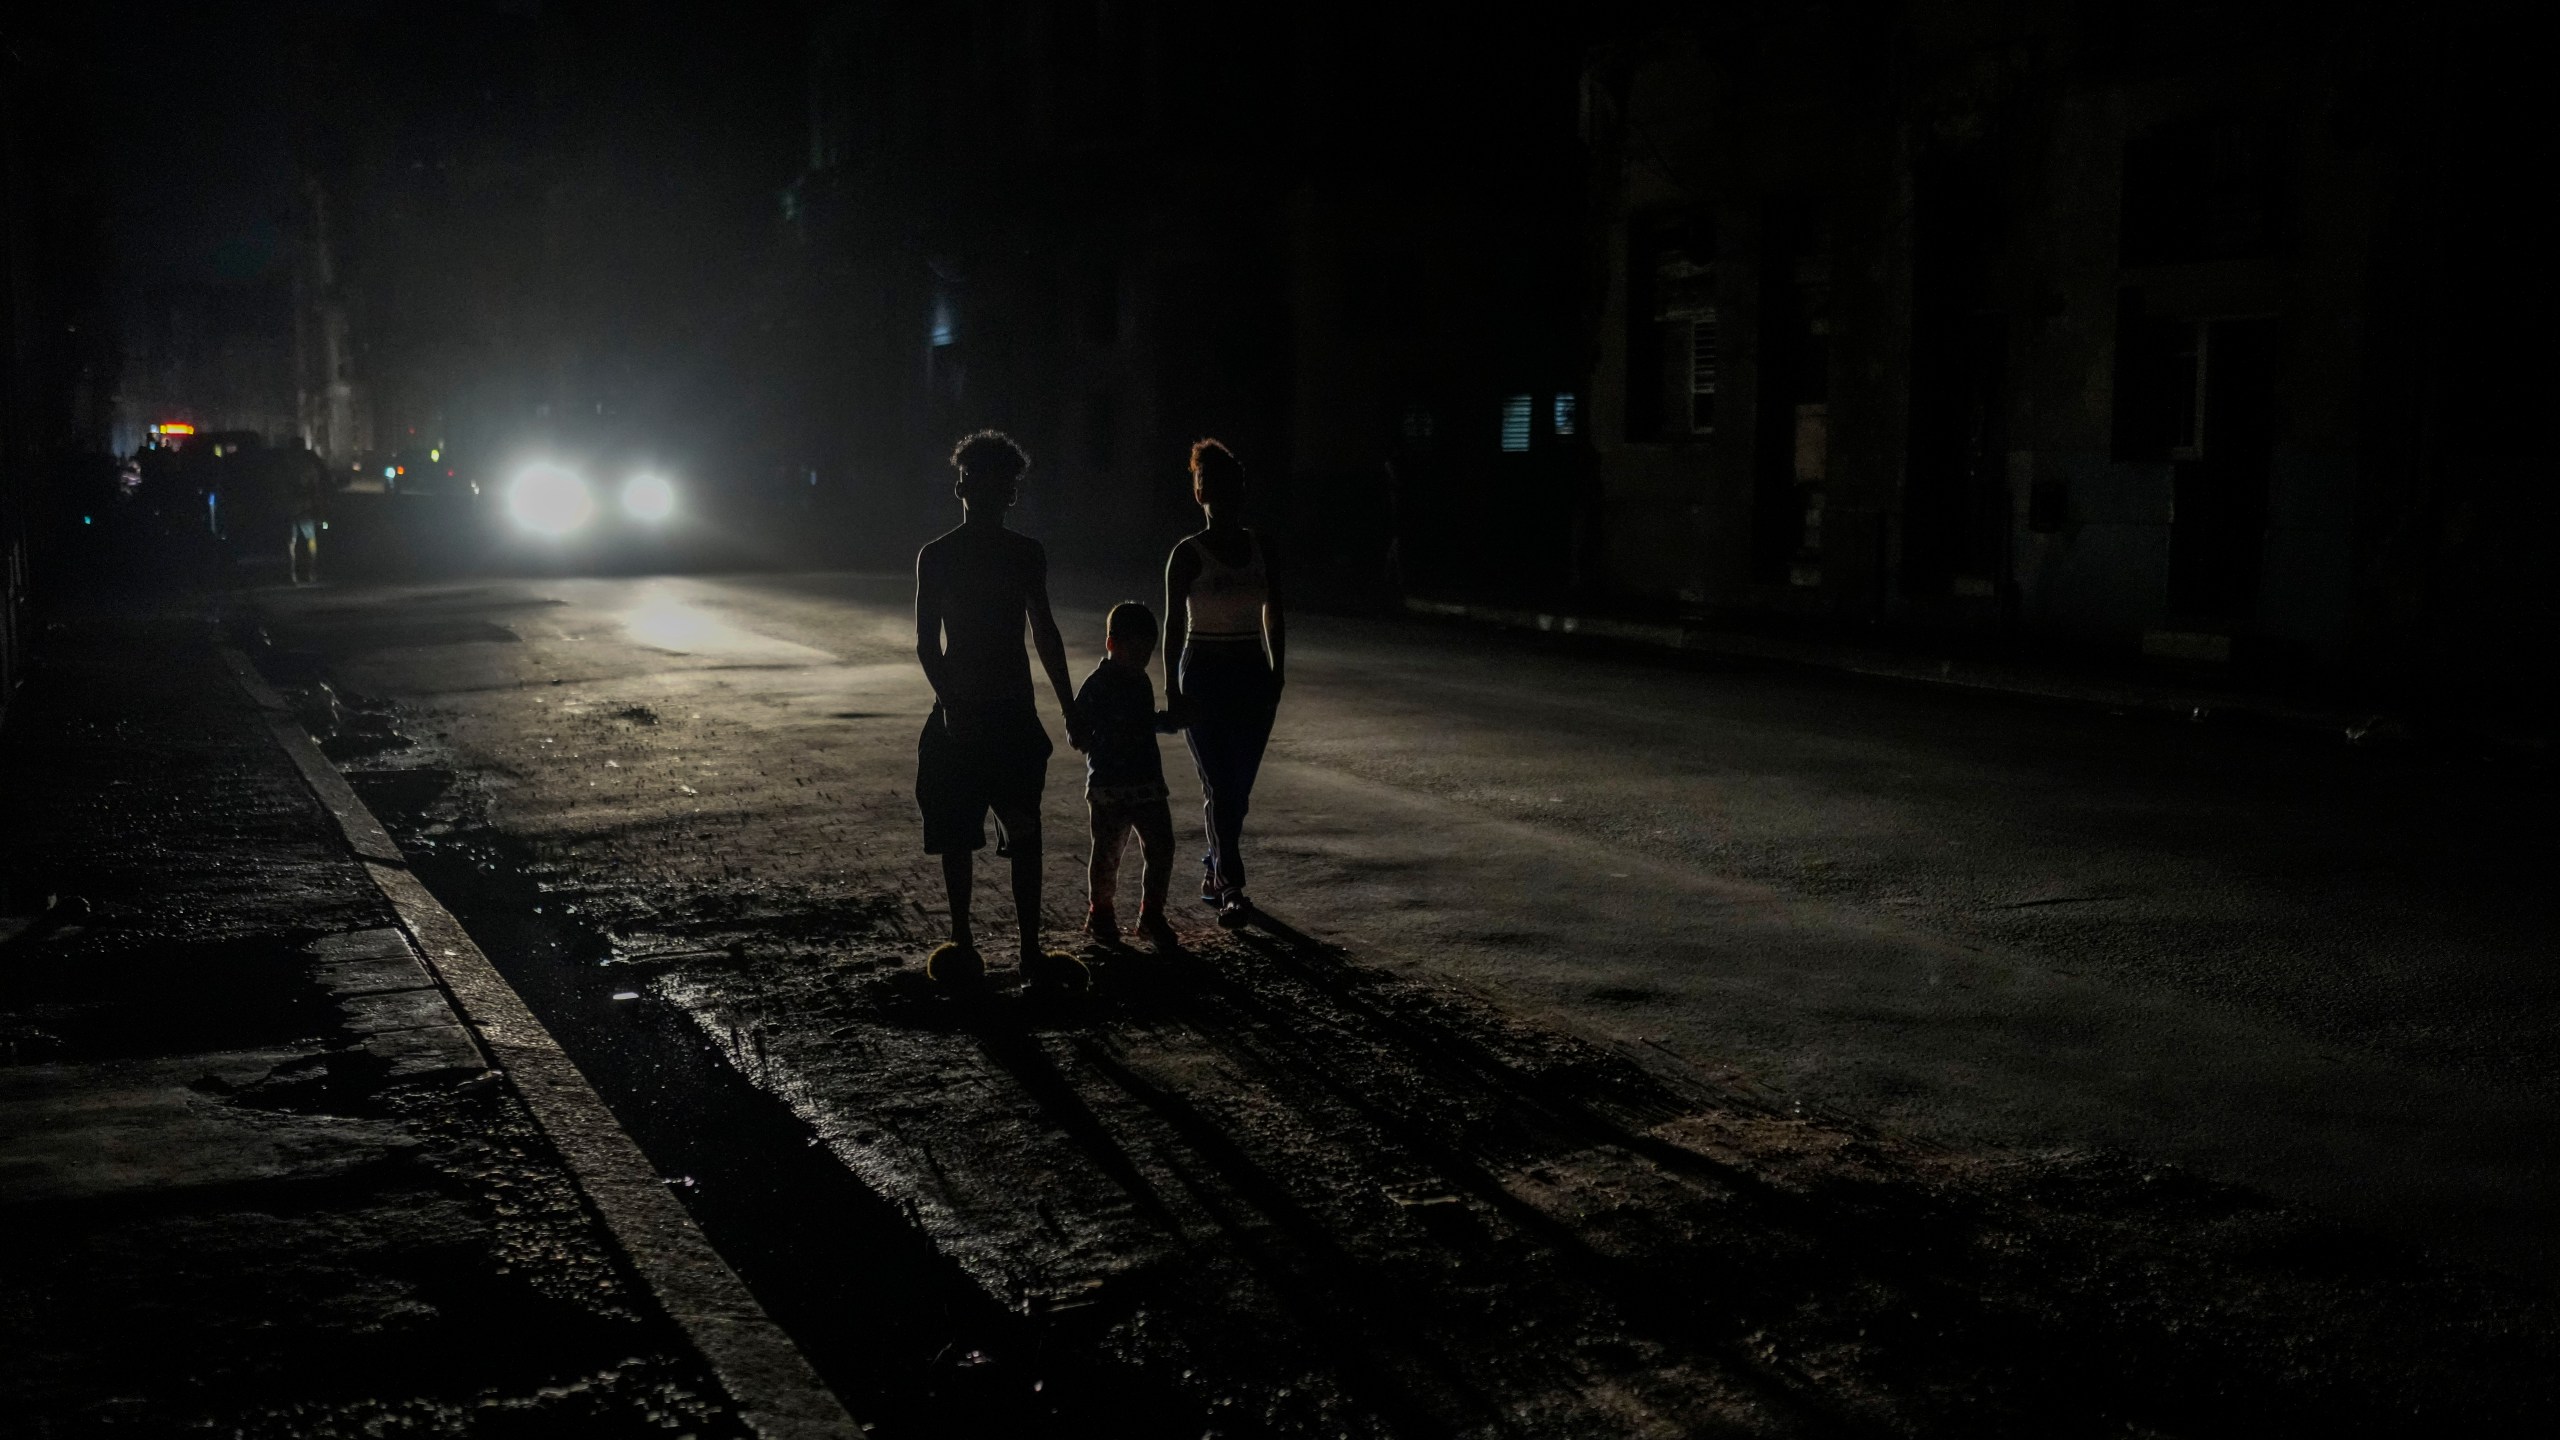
(961, 774)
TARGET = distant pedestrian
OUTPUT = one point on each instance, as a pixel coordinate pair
(1124, 777)
(303, 480)
(983, 748)
(1226, 659)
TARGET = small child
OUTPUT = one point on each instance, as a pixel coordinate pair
(1124, 776)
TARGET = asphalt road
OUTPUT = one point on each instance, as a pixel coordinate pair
(2322, 971)
(2318, 971)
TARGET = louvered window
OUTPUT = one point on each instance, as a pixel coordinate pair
(1702, 374)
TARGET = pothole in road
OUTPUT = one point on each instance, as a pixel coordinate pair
(1264, 1189)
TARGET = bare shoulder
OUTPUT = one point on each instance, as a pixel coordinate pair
(934, 551)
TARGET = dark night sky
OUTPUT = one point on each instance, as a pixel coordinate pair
(195, 139)
(197, 124)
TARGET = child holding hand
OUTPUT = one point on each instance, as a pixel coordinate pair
(1124, 776)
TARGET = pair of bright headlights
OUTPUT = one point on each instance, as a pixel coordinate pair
(554, 501)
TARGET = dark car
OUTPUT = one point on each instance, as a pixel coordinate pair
(432, 471)
(254, 494)
(599, 502)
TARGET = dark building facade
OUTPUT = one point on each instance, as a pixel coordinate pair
(332, 403)
(1011, 217)
(1111, 228)
(58, 370)
(217, 355)
(2181, 329)
(520, 229)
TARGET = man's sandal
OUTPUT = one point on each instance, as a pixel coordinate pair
(956, 965)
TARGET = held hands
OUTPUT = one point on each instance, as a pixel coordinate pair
(1079, 737)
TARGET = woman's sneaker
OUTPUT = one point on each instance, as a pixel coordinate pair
(1102, 927)
(1210, 894)
(1055, 969)
(1234, 911)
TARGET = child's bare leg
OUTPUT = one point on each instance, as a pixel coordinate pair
(958, 871)
(1155, 840)
(1102, 865)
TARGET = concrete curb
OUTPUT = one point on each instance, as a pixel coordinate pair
(777, 1392)
(364, 833)
(1990, 677)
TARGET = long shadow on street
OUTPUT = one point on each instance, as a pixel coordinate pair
(1264, 1187)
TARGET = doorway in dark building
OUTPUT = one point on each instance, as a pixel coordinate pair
(1526, 511)
(2200, 395)
(1957, 516)
(2217, 528)
(1956, 511)
(1791, 448)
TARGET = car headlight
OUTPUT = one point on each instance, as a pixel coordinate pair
(649, 498)
(551, 500)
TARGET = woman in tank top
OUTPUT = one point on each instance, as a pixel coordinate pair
(1226, 656)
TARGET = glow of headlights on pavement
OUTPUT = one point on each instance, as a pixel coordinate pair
(649, 497)
(550, 500)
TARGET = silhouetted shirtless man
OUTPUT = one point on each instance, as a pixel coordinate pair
(984, 748)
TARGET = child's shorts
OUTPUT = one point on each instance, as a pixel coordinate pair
(1000, 765)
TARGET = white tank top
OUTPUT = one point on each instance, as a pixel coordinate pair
(1226, 600)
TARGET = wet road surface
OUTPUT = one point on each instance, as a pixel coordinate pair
(1634, 1046)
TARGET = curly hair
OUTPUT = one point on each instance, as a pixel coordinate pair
(989, 457)
(1131, 620)
(1216, 474)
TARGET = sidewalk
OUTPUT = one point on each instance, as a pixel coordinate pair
(2111, 687)
(256, 1177)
